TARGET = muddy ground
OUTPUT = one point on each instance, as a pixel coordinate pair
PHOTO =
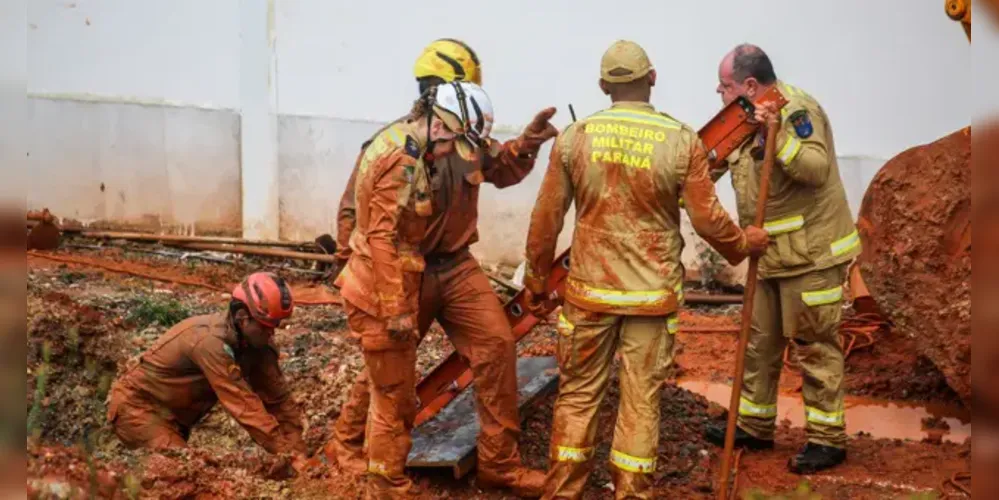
(84, 323)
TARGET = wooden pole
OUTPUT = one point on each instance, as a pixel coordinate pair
(747, 314)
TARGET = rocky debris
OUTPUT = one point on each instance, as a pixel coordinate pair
(915, 223)
(320, 360)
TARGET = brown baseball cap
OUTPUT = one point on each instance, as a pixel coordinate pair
(625, 61)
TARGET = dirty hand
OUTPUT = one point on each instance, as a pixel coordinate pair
(767, 114)
(403, 323)
(757, 239)
(535, 303)
(303, 464)
(299, 462)
(334, 272)
(540, 129)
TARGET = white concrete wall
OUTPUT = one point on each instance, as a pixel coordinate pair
(152, 166)
(137, 97)
(341, 69)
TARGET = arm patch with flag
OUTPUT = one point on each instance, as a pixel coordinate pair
(412, 148)
(802, 123)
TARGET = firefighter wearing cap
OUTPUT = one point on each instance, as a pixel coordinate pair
(381, 282)
(626, 169)
(455, 291)
(800, 293)
(225, 357)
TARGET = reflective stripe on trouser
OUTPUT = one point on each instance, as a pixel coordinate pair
(461, 299)
(808, 309)
(392, 379)
(587, 344)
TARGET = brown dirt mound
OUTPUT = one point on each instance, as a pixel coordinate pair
(915, 222)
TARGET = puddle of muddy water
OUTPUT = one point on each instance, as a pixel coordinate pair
(879, 418)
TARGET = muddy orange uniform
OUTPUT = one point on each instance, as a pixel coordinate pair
(381, 284)
(193, 366)
(457, 293)
(626, 169)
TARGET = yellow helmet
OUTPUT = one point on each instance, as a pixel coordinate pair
(450, 60)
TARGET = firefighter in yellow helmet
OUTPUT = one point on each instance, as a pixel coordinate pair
(800, 290)
(448, 60)
(455, 291)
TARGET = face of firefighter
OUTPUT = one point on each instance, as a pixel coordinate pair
(442, 138)
(729, 88)
(256, 333)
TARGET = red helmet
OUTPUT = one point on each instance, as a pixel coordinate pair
(267, 297)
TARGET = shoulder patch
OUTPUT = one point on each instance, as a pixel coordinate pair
(802, 123)
(412, 148)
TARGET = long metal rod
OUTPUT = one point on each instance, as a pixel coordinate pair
(747, 315)
(177, 238)
(261, 251)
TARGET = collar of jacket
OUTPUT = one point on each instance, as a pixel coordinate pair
(230, 335)
(410, 128)
(639, 105)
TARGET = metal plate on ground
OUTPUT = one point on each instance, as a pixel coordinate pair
(448, 439)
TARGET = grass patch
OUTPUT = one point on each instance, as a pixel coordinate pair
(37, 413)
(70, 277)
(164, 312)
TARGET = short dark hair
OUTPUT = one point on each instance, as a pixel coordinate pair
(235, 306)
(428, 81)
(751, 61)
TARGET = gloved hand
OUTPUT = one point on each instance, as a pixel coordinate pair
(401, 325)
(766, 114)
(539, 130)
(334, 272)
(757, 239)
(535, 303)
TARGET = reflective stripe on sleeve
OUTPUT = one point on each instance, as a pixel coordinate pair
(846, 244)
(790, 150)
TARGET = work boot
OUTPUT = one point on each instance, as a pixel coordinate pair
(522, 481)
(715, 434)
(349, 458)
(816, 457)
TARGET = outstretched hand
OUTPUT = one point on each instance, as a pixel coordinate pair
(540, 130)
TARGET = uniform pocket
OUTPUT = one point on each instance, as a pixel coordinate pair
(820, 314)
(566, 340)
(667, 345)
(388, 369)
(790, 243)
